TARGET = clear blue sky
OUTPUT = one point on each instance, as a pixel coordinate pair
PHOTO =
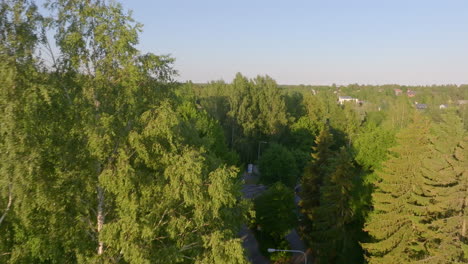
(310, 42)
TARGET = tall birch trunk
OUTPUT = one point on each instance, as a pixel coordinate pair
(10, 201)
(100, 218)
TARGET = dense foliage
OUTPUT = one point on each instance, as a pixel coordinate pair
(104, 158)
(277, 164)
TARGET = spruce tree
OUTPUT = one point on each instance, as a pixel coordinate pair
(328, 233)
(398, 225)
(315, 171)
(461, 163)
(319, 189)
(448, 188)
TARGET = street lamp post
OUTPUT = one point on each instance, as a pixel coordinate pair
(259, 143)
(271, 250)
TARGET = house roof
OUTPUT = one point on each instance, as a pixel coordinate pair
(421, 106)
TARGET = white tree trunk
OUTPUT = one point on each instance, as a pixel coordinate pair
(10, 201)
(100, 218)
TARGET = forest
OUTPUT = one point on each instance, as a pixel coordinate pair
(106, 158)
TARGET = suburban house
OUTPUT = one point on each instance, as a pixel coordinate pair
(398, 91)
(410, 93)
(443, 106)
(343, 99)
(420, 106)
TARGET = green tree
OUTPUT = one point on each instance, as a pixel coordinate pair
(257, 112)
(399, 113)
(277, 164)
(272, 116)
(329, 237)
(321, 165)
(294, 103)
(150, 162)
(303, 133)
(461, 158)
(213, 98)
(398, 225)
(35, 150)
(103, 163)
(275, 216)
(275, 210)
(97, 42)
(372, 146)
(316, 109)
(176, 202)
(448, 189)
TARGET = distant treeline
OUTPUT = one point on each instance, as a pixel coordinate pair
(381, 169)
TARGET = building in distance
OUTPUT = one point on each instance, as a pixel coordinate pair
(420, 106)
(410, 93)
(344, 99)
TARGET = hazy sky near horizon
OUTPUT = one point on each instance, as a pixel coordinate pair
(310, 42)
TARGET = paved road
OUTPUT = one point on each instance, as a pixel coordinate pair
(251, 245)
(251, 191)
(296, 243)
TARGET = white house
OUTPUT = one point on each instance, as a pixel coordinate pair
(420, 106)
(343, 99)
(443, 106)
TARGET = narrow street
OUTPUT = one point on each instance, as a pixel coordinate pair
(251, 190)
